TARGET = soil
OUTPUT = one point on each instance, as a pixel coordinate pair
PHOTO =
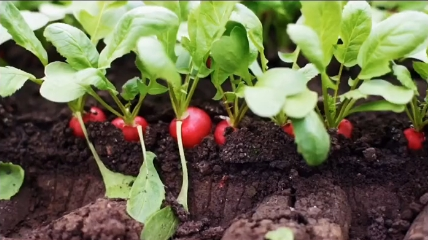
(369, 189)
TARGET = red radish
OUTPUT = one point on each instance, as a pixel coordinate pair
(196, 126)
(209, 62)
(345, 128)
(130, 133)
(219, 137)
(415, 139)
(288, 128)
(94, 115)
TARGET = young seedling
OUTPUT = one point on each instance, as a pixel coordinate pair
(231, 56)
(416, 110)
(373, 48)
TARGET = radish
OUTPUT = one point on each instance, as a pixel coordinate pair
(288, 128)
(208, 64)
(219, 137)
(130, 133)
(94, 115)
(196, 125)
(345, 128)
(415, 139)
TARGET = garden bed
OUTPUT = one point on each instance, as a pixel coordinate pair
(371, 187)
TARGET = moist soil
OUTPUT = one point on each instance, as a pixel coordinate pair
(371, 187)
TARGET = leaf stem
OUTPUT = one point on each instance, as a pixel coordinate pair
(295, 65)
(190, 93)
(143, 146)
(137, 107)
(339, 76)
(102, 102)
(182, 196)
(327, 113)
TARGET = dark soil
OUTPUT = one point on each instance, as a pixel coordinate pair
(368, 189)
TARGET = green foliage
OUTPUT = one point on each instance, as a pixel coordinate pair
(11, 179)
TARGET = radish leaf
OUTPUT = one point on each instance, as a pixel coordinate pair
(312, 140)
(249, 19)
(156, 64)
(99, 18)
(268, 96)
(309, 43)
(381, 105)
(422, 69)
(355, 28)
(301, 104)
(281, 233)
(324, 17)
(11, 179)
(206, 23)
(73, 44)
(393, 38)
(403, 75)
(139, 22)
(391, 93)
(18, 28)
(147, 192)
(160, 226)
(12, 79)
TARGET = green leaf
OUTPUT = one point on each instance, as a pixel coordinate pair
(324, 17)
(168, 38)
(393, 38)
(35, 21)
(422, 69)
(11, 179)
(64, 84)
(391, 93)
(156, 64)
(281, 233)
(289, 57)
(230, 53)
(309, 43)
(353, 94)
(99, 18)
(267, 97)
(139, 22)
(301, 104)
(12, 79)
(147, 192)
(310, 71)
(403, 75)
(161, 225)
(73, 44)
(12, 20)
(207, 23)
(249, 19)
(312, 140)
(132, 88)
(376, 106)
(356, 27)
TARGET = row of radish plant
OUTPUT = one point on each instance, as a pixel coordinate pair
(223, 43)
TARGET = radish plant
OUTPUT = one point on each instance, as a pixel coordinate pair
(372, 48)
(416, 110)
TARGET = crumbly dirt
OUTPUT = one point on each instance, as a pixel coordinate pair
(368, 189)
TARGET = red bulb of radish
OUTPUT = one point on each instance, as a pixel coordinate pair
(208, 63)
(415, 139)
(288, 128)
(219, 137)
(94, 115)
(195, 127)
(345, 128)
(130, 133)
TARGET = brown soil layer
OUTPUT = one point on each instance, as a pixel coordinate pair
(368, 189)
